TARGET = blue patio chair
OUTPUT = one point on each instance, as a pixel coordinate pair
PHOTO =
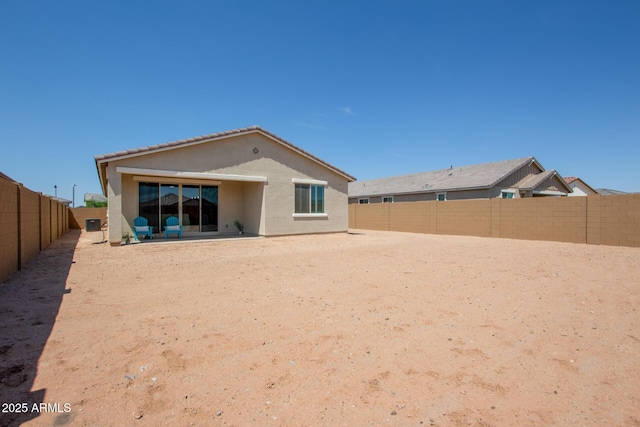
(173, 227)
(141, 227)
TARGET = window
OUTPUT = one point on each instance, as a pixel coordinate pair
(195, 205)
(309, 198)
(387, 199)
(505, 194)
(363, 201)
(441, 197)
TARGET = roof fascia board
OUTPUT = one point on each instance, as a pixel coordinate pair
(563, 182)
(526, 161)
(190, 175)
(172, 146)
(549, 192)
(303, 153)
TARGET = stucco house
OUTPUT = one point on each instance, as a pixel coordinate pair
(579, 187)
(509, 179)
(248, 175)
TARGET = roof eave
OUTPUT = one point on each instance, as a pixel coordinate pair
(120, 155)
(527, 161)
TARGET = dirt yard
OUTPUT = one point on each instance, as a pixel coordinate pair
(366, 328)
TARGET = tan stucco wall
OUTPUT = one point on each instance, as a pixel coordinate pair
(264, 208)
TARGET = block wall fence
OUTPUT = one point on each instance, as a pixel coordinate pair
(29, 222)
(597, 220)
(78, 216)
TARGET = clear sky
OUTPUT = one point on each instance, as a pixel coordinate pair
(375, 88)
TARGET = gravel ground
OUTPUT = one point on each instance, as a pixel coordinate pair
(365, 328)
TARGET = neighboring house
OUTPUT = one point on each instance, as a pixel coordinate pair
(95, 197)
(509, 179)
(250, 175)
(610, 192)
(579, 187)
(66, 202)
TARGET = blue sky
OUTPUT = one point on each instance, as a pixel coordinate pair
(375, 88)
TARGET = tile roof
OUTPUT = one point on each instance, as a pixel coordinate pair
(484, 175)
(571, 179)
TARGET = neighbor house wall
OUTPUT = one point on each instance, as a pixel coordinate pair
(29, 222)
(608, 220)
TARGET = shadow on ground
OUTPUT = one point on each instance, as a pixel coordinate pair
(29, 303)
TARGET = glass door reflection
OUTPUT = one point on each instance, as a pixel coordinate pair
(190, 208)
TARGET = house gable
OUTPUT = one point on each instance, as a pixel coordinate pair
(224, 159)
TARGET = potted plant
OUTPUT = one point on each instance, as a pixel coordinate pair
(126, 238)
(239, 226)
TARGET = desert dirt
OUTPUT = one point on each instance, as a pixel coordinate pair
(365, 328)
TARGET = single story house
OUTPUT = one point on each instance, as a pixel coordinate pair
(247, 175)
(579, 187)
(523, 177)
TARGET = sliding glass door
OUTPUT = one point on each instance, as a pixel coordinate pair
(169, 201)
(149, 204)
(190, 208)
(196, 206)
(209, 204)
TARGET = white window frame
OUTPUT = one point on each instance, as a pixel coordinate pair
(388, 201)
(441, 194)
(363, 201)
(503, 192)
(311, 183)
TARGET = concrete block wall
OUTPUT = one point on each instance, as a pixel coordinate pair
(412, 217)
(620, 220)
(372, 216)
(78, 216)
(45, 220)
(29, 222)
(555, 219)
(8, 228)
(607, 220)
(464, 217)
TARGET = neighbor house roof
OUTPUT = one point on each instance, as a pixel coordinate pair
(102, 160)
(571, 179)
(536, 180)
(480, 176)
(609, 192)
